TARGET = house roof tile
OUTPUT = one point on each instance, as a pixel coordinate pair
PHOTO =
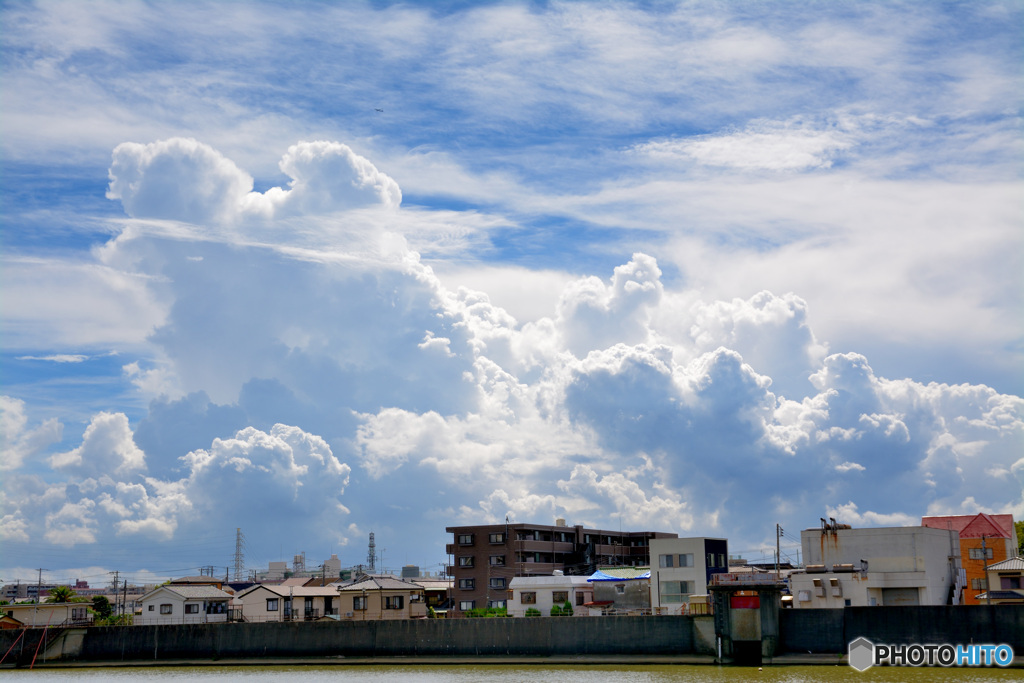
(1008, 565)
(960, 523)
(372, 583)
(194, 592)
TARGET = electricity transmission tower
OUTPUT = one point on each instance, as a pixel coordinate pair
(239, 555)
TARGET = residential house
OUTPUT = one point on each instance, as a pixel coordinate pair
(381, 597)
(49, 613)
(621, 590)
(542, 592)
(184, 604)
(984, 539)
(8, 622)
(681, 567)
(1006, 579)
(436, 590)
(486, 558)
(271, 602)
(912, 565)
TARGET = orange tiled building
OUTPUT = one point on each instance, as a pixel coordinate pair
(995, 532)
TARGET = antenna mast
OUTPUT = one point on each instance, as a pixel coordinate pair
(371, 556)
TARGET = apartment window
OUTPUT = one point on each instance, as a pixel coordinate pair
(497, 583)
(359, 602)
(709, 560)
(675, 591)
(528, 598)
(78, 613)
(467, 584)
(497, 560)
(620, 588)
(500, 604)
(272, 604)
(665, 560)
(1009, 582)
(467, 605)
(151, 608)
(394, 602)
(978, 584)
(975, 554)
(559, 597)
(496, 538)
(580, 598)
(166, 609)
(192, 608)
(465, 539)
(466, 561)
(686, 560)
(721, 560)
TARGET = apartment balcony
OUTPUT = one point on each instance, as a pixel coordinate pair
(543, 547)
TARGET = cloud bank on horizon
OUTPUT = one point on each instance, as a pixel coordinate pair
(803, 305)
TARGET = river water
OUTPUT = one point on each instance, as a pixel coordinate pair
(508, 674)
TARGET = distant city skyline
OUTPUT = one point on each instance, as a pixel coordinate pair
(315, 270)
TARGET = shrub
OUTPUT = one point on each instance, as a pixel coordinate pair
(556, 611)
(532, 612)
(567, 609)
(487, 613)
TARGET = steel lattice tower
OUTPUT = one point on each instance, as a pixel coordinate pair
(239, 555)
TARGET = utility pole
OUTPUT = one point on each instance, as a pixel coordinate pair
(984, 559)
(116, 591)
(778, 534)
(39, 584)
(39, 588)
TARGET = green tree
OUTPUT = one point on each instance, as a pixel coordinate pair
(567, 609)
(1019, 526)
(101, 607)
(61, 594)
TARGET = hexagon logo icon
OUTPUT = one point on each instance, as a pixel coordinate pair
(862, 654)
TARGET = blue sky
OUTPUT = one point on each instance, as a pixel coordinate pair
(316, 270)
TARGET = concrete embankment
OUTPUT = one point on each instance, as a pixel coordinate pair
(421, 638)
(811, 634)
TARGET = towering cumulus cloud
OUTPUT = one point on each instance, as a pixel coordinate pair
(314, 390)
(184, 180)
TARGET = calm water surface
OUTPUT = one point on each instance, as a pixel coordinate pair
(512, 674)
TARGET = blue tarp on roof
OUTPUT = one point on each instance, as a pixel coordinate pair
(601, 576)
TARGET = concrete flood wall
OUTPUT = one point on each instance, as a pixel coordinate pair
(958, 624)
(800, 630)
(811, 630)
(463, 637)
(831, 630)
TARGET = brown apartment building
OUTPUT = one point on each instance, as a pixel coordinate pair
(484, 559)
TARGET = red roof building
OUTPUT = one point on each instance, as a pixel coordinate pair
(984, 540)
